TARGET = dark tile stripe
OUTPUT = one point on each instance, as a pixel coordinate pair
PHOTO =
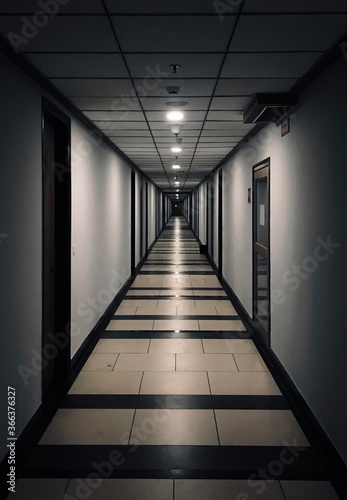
(175, 462)
(173, 273)
(173, 297)
(184, 402)
(153, 334)
(176, 317)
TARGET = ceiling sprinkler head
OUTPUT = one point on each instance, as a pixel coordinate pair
(179, 140)
(175, 67)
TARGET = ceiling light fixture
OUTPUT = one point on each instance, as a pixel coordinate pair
(176, 150)
(176, 167)
(175, 116)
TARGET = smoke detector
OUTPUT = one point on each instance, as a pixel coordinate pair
(173, 90)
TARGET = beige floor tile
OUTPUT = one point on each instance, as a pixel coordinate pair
(309, 490)
(229, 346)
(100, 362)
(168, 310)
(177, 291)
(258, 428)
(145, 362)
(88, 426)
(221, 325)
(176, 324)
(227, 310)
(52, 489)
(176, 302)
(250, 363)
(176, 345)
(175, 383)
(204, 489)
(135, 293)
(139, 303)
(126, 489)
(205, 362)
(211, 293)
(133, 346)
(130, 324)
(243, 383)
(125, 311)
(174, 427)
(196, 311)
(107, 383)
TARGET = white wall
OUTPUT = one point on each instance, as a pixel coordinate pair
(101, 235)
(308, 201)
(20, 250)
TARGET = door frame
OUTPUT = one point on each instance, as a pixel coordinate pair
(264, 164)
(62, 359)
(220, 222)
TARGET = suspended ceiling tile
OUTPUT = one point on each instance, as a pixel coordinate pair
(226, 115)
(159, 103)
(230, 103)
(288, 33)
(133, 134)
(241, 86)
(173, 33)
(100, 103)
(167, 134)
(32, 6)
(268, 65)
(97, 87)
(223, 133)
(80, 65)
(80, 34)
(294, 6)
(188, 116)
(191, 66)
(114, 115)
(240, 127)
(123, 126)
(184, 126)
(188, 87)
(162, 7)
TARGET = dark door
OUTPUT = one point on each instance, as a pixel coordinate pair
(56, 250)
(261, 248)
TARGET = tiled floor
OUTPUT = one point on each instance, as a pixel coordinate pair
(175, 402)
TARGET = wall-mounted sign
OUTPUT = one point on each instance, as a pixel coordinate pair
(285, 127)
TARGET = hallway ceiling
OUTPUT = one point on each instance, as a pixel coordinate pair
(96, 51)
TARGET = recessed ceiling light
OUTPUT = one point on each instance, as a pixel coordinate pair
(176, 150)
(176, 104)
(175, 115)
(176, 167)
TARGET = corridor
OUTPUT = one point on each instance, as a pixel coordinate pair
(175, 401)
